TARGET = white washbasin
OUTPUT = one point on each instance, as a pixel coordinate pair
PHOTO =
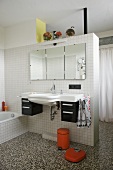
(50, 99)
(44, 98)
(71, 97)
(44, 95)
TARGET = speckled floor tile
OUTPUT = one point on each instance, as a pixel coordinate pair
(2, 167)
(30, 152)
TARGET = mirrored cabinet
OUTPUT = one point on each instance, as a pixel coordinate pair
(38, 65)
(66, 62)
(55, 63)
(74, 69)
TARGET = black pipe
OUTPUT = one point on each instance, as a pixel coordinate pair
(85, 20)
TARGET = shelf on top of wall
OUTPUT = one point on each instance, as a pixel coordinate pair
(52, 42)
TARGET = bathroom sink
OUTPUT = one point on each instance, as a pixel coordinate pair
(50, 99)
(44, 98)
(71, 97)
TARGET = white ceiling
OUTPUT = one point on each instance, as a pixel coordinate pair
(59, 15)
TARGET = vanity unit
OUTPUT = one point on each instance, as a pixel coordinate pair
(69, 111)
(69, 104)
(30, 108)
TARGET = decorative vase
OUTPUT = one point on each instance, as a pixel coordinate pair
(47, 36)
(70, 32)
(57, 35)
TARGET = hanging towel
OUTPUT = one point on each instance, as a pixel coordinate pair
(79, 120)
(84, 114)
(87, 111)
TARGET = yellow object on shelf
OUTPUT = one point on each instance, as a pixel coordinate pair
(40, 30)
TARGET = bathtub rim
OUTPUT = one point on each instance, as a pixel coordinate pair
(12, 118)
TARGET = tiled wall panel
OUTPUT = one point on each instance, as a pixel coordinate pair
(17, 81)
(96, 88)
(12, 128)
(2, 92)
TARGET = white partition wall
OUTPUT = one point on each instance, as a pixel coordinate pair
(17, 79)
(2, 91)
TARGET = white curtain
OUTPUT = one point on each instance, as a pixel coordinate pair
(106, 85)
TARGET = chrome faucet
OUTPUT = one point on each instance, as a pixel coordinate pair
(53, 89)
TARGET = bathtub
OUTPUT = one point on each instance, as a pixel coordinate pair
(6, 116)
(12, 125)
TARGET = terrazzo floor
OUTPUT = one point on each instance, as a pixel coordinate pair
(30, 152)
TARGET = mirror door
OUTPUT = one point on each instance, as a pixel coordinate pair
(55, 63)
(75, 67)
(38, 65)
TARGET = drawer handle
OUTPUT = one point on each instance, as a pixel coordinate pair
(68, 112)
(25, 101)
(64, 104)
(25, 107)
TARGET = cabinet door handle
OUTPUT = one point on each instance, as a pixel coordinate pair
(65, 104)
(68, 112)
(25, 100)
(25, 107)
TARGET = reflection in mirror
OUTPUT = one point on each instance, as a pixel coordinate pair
(37, 65)
(55, 63)
(75, 67)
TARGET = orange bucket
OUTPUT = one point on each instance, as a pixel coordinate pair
(63, 138)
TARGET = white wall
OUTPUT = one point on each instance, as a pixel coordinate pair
(2, 92)
(25, 34)
(96, 89)
(20, 34)
(105, 34)
(1, 38)
(17, 81)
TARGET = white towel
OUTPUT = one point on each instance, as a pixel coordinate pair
(84, 114)
(79, 114)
